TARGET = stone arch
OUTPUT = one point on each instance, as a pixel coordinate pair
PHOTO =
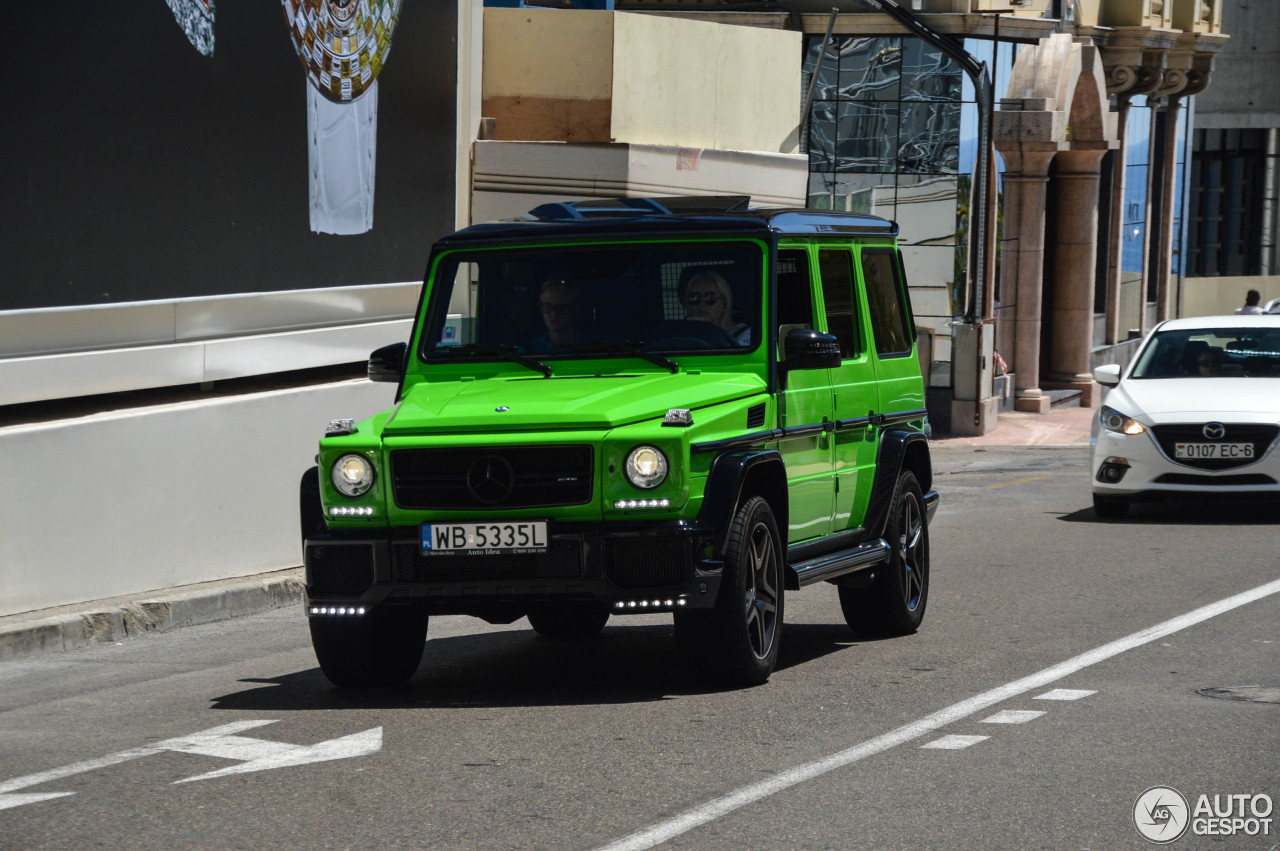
(1053, 128)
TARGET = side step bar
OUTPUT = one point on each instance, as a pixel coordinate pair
(831, 566)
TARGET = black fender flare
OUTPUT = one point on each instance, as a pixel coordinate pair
(899, 448)
(310, 511)
(727, 481)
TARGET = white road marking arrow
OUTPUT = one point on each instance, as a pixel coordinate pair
(252, 754)
(261, 755)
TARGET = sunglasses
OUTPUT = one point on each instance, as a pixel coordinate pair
(702, 298)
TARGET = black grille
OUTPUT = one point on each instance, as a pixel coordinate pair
(1220, 481)
(339, 568)
(1260, 436)
(563, 560)
(755, 416)
(647, 562)
(492, 477)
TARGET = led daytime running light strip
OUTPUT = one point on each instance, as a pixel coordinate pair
(350, 511)
(630, 605)
(642, 503)
(337, 610)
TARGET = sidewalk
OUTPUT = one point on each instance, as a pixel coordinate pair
(1067, 426)
(109, 621)
(115, 619)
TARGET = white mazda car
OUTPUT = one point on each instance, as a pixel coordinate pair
(1196, 413)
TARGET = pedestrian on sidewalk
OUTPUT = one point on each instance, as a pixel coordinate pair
(1251, 306)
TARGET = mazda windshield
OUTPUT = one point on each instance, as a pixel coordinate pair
(1211, 352)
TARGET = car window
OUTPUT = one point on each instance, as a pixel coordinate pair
(836, 268)
(596, 300)
(1209, 353)
(795, 298)
(890, 319)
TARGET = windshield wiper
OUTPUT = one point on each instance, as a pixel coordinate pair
(504, 352)
(628, 347)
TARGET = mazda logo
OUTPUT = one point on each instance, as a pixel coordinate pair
(1214, 431)
(491, 479)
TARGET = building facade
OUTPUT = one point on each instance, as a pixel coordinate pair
(211, 225)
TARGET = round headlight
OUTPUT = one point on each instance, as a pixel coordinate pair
(646, 467)
(352, 475)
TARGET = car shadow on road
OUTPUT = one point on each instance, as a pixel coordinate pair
(624, 664)
(1222, 511)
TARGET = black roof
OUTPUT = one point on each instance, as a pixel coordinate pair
(628, 217)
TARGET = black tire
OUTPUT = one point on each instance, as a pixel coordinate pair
(379, 649)
(738, 640)
(1110, 506)
(894, 603)
(568, 620)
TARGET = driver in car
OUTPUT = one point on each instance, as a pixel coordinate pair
(709, 298)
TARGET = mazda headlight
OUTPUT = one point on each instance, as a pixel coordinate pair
(646, 467)
(1113, 420)
(352, 475)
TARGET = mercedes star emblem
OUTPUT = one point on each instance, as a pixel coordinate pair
(491, 479)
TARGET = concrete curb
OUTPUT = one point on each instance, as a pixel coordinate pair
(109, 621)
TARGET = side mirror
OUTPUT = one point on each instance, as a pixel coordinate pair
(1108, 374)
(387, 363)
(808, 349)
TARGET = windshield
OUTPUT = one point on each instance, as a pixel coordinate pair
(1208, 353)
(624, 299)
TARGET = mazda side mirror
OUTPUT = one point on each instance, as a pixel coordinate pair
(1107, 374)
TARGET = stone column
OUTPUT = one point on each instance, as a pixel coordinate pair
(1075, 262)
(1123, 81)
(1115, 227)
(1164, 246)
(1026, 179)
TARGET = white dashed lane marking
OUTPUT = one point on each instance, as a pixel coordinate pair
(954, 743)
(1064, 694)
(717, 808)
(1013, 716)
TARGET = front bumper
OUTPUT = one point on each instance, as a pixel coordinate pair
(631, 568)
(1137, 467)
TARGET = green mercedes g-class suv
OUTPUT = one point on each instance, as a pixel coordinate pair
(627, 407)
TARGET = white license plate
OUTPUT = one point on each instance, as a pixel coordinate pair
(505, 538)
(1212, 450)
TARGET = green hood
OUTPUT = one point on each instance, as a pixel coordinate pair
(560, 403)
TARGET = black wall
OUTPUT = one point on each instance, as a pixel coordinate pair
(136, 168)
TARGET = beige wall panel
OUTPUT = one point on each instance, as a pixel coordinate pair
(704, 85)
(547, 53)
(545, 119)
(758, 105)
(513, 177)
(664, 81)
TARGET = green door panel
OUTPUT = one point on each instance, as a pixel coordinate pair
(897, 369)
(853, 386)
(806, 401)
(810, 489)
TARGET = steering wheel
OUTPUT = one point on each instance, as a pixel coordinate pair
(690, 334)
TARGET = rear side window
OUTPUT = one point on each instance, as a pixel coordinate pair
(795, 299)
(890, 318)
(836, 268)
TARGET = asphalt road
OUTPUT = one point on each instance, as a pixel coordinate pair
(944, 739)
